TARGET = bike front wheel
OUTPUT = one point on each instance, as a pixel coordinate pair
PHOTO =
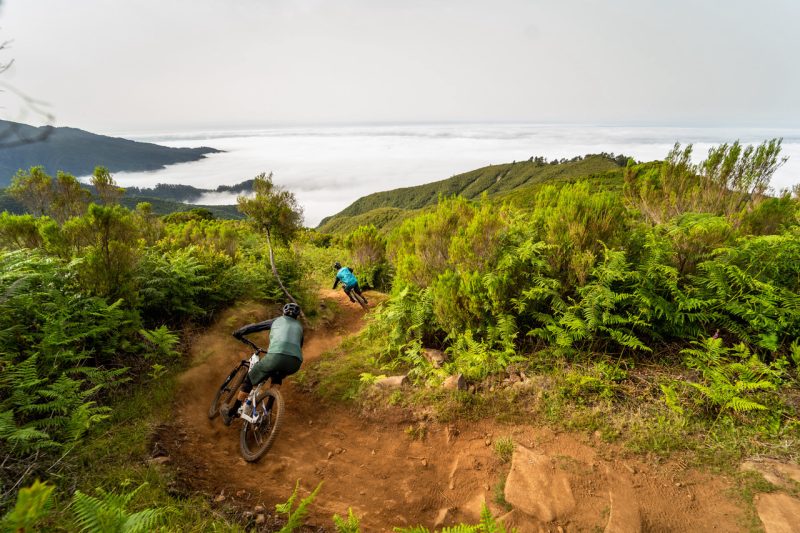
(257, 438)
(227, 390)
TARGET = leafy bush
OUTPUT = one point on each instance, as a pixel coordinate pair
(368, 249)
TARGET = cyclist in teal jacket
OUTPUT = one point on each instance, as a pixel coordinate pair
(348, 280)
(283, 358)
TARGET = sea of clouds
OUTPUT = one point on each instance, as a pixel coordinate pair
(330, 167)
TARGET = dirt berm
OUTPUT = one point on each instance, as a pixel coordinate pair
(557, 481)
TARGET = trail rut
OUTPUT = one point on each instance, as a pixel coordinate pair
(390, 479)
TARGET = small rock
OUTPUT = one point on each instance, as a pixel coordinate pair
(560, 529)
(486, 486)
(310, 422)
(392, 382)
(163, 460)
(258, 509)
(679, 484)
(361, 492)
(219, 499)
(247, 514)
(260, 519)
(373, 452)
(455, 382)
(436, 357)
(339, 451)
(425, 462)
(488, 441)
(240, 493)
(330, 454)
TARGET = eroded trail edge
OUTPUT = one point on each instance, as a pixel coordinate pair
(557, 480)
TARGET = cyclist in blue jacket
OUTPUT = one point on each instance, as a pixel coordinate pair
(348, 280)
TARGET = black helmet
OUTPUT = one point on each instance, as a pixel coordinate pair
(292, 310)
(337, 265)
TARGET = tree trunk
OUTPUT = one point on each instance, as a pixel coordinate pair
(277, 276)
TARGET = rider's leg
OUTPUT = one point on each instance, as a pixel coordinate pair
(347, 291)
(231, 412)
(357, 288)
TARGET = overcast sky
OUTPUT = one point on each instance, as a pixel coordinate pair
(150, 65)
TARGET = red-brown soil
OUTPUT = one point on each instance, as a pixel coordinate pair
(390, 479)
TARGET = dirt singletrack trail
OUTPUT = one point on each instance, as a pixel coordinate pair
(390, 479)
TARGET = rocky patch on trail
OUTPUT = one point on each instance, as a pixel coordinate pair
(542, 490)
(537, 487)
(779, 512)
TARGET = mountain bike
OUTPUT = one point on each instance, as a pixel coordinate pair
(261, 413)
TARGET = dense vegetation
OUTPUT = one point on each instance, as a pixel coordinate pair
(93, 301)
(690, 266)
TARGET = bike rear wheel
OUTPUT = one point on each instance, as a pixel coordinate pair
(360, 299)
(227, 390)
(256, 439)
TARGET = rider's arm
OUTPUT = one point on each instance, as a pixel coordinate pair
(335, 283)
(253, 328)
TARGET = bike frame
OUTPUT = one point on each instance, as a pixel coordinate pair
(253, 417)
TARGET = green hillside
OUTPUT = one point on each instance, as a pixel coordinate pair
(516, 182)
(78, 152)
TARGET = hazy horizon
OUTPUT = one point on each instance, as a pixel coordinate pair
(329, 167)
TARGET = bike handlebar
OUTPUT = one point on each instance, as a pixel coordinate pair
(253, 345)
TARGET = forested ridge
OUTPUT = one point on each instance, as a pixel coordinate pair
(654, 304)
(78, 152)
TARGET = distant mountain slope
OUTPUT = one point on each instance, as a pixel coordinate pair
(78, 152)
(160, 206)
(496, 180)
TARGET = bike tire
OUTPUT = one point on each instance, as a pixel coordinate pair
(227, 390)
(360, 299)
(256, 439)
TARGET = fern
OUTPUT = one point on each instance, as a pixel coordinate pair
(107, 513)
(732, 377)
(671, 399)
(162, 341)
(296, 517)
(33, 504)
(487, 524)
(348, 525)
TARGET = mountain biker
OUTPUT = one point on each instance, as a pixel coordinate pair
(283, 358)
(348, 280)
